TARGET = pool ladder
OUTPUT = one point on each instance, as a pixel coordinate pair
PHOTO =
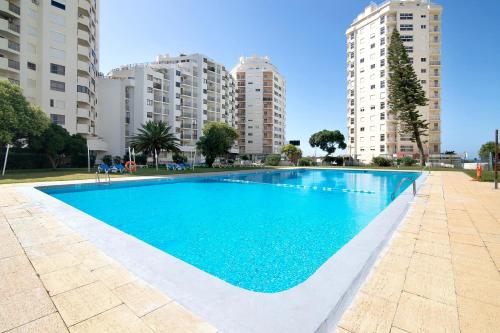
(98, 179)
(396, 189)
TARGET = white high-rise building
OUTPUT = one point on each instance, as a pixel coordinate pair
(261, 107)
(50, 49)
(371, 130)
(187, 92)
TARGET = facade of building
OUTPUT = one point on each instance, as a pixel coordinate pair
(187, 91)
(372, 131)
(261, 107)
(50, 49)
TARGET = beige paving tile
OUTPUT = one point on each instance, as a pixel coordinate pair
(44, 249)
(369, 314)
(94, 261)
(394, 262)
(433, 249)
(469, 251)
(434, 237)
(466, 239)
(403, 246)
(13, 264)
(494, 250)
(477, 317)
(341, 330)
(481, 289)
(474, 266)
(397, 330)
(385, 284)
(22, 308)
(490, 238)
(53, 262)
(462, 230)
(66, 279)
(140, 297)
(440, 288)
(80, 249)
(113, 276)
(119, 320)
(418, 314)
(430, 264)
(48, 324)
(18, 282)
(173, 318)
(82, 303)
(10, 248)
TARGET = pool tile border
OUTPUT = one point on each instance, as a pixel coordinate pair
(232, 309)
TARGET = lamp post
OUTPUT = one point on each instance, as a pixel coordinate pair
(5, 160)
(496, 159)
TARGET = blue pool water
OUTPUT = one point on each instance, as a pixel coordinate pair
(265, 232)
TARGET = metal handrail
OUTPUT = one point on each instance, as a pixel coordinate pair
(398, 186)
(98, 179)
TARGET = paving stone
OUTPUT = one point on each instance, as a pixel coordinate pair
(481, 289)
(434, 237)
(66, 279)
(385, 284)
(140, 297)
(394, 262)
(479, 267)
(430, 264)
(48, 324)
(53, 262)
(477, 317)
(22, 308)
(466, 239)
(494, 250)
(14, 264)
(116, 320)
(82, 303)
(113, 276)
(173, 318)
(418, 314)
(433, 249)
(369, 314)
(19, 282)
(440, 288)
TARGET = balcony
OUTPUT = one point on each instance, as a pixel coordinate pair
(435, 63)
(83, 98)
(9, 45)
(83, 113)
(9, 27)
(83, 128)
(83, 66)
(9, 65)
(9, 8)
(85, 5)
(84, 51)
(84, 35)
(83, 81)
(83, 19)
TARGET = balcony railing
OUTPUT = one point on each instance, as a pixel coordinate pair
(14, 27)
(14, 64)
(13, 46)
(14, 8)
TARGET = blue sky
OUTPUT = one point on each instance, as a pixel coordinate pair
(306, 41)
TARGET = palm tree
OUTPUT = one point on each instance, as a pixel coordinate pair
(155, 136)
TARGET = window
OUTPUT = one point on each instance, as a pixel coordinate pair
(382, 52)
(407, 38)
(382, 41)
(58, 119)
(382, 116)
(382, 30)
(149, 102)
(82, 89)
(423, 16)
(406, 16)
(409, 49)
(382, 19)
(57, 103)
(382, 62)
(57, 85)
(57, 69)
(382, 84)
(372, 107)
(382, 148)
(57, 4)
(382, 72)
(423, 26)
(352, 140)
(149, 77)
(149, 114)
(372, 66)
(382, 137)
(362, 60)
(372, 86)
(150, 90)
(372, 46)
(382, 105)
(406, 148)
(406, 27)
(423, 71)
(31, 66)
(436, 17)
(57, 19)
(423, 59)
(362, 109)
(361, 129)
(423, 81)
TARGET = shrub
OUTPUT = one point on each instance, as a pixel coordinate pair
(117, 160)
(307, 161)
(407, 161)
(382, 161)
(107, 159)
(339, 160)
(244, 157)
(273, 159)
(179, 158)
(141, 159)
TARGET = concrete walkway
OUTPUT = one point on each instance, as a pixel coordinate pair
(52, 280)
(441, 271)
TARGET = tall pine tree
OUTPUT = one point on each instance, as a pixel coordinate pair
(406, 94)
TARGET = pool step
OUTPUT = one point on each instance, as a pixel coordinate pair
(303, 187)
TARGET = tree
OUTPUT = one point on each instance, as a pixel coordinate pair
(18, 118)
(216, 141)
(328, 141)
(486, 150)
(406, 94)
(53, 143)
(292, 152)
(155, 136)
(76, 147)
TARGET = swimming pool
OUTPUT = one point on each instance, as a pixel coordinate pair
(264, 232)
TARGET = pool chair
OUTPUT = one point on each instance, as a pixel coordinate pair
(118, 168)
(103, 167)
(181, 166)
(171, 166)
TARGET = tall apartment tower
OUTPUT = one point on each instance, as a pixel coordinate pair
(371, 130)
(261, 107)
(187, 91)
(50, 49)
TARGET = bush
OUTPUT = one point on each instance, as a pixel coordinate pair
(382, 161)
(407, 161)
(307, 161)
(108, 159)
(339, 160)
(244, 157)
(117, 160)
(273, 159)
(179, 158)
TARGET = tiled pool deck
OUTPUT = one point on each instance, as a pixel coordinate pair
(439, 274)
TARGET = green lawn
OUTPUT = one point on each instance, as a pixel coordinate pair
(47, 175)
(488, 176)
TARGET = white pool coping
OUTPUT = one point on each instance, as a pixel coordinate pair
(312, 306)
